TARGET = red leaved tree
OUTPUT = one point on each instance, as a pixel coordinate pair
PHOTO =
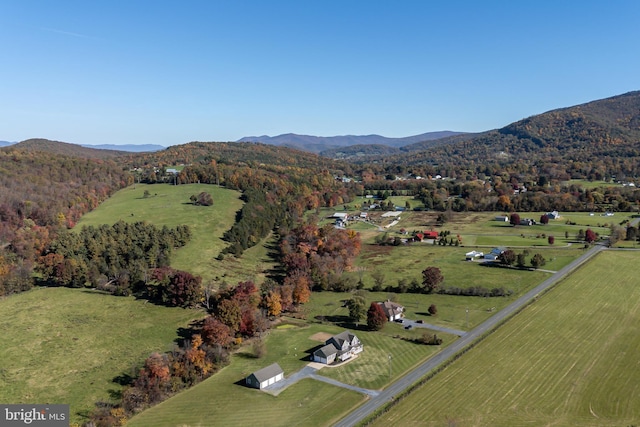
(431, 279)
(376, 317)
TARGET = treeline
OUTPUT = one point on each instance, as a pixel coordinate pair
(117, 258)
(507, 193)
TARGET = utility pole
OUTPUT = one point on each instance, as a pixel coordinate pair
(467, 317)
(390, 366)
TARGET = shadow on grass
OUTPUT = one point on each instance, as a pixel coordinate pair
(123, 379)
(343, 322)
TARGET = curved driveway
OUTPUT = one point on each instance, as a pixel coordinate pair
(466, 340)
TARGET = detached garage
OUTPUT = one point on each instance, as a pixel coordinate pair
(265, 376)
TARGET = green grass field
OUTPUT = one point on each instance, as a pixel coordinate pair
(63, 345)
(170, 205)
(569, 359)
(222, 401)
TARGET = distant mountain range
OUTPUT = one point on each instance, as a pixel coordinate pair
(131, 148)
(319, 144)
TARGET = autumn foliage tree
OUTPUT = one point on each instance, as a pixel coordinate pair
(216, 332)
(320, 254)
(376, 317)
(272, 301)
(589, 236)
(431, 279)
(507, 257)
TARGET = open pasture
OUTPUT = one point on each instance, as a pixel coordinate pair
(568, 359)
(64, 345)
(170, 205)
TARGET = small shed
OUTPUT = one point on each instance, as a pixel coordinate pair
(265, 376)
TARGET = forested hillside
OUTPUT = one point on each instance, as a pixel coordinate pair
(40, 194)
(592, 141)
(44, 193)
(66, 149)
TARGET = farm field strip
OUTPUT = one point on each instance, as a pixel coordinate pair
(568, 359)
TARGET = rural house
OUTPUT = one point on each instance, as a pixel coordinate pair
(339, 347)
(494, 254)
(265, 376)
(392, 310)
(553, 215)
(430, 234)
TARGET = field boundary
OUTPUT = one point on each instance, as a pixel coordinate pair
(375, 407)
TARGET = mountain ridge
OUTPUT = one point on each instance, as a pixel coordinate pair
(317, 144)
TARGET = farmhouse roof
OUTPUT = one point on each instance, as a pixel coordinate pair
(342, 337)
(326, 351)
(391, 308)
(268, 372)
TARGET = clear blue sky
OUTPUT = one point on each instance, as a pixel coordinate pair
(170, 72)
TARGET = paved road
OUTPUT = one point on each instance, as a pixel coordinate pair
(403, 383)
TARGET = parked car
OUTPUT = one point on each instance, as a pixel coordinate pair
(399, 320)
(419, 321)
(408, 327)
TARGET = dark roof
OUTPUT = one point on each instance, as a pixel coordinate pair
(342, 337)
(268, 372)
(326, 351)
(391, 308)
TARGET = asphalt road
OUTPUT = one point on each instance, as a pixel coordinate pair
(406, 381)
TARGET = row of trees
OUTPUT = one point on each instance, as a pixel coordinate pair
(509, 257)
(116, 258)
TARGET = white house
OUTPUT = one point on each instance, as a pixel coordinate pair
(473, 255)
(553, 215)
(265, 376)
(392, 310)
(339, 347)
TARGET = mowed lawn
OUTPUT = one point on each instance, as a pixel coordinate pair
(63, 345)
(569, 359)
(170, 205)
(223, 400)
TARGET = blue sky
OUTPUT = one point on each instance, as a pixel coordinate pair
(170, 72)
